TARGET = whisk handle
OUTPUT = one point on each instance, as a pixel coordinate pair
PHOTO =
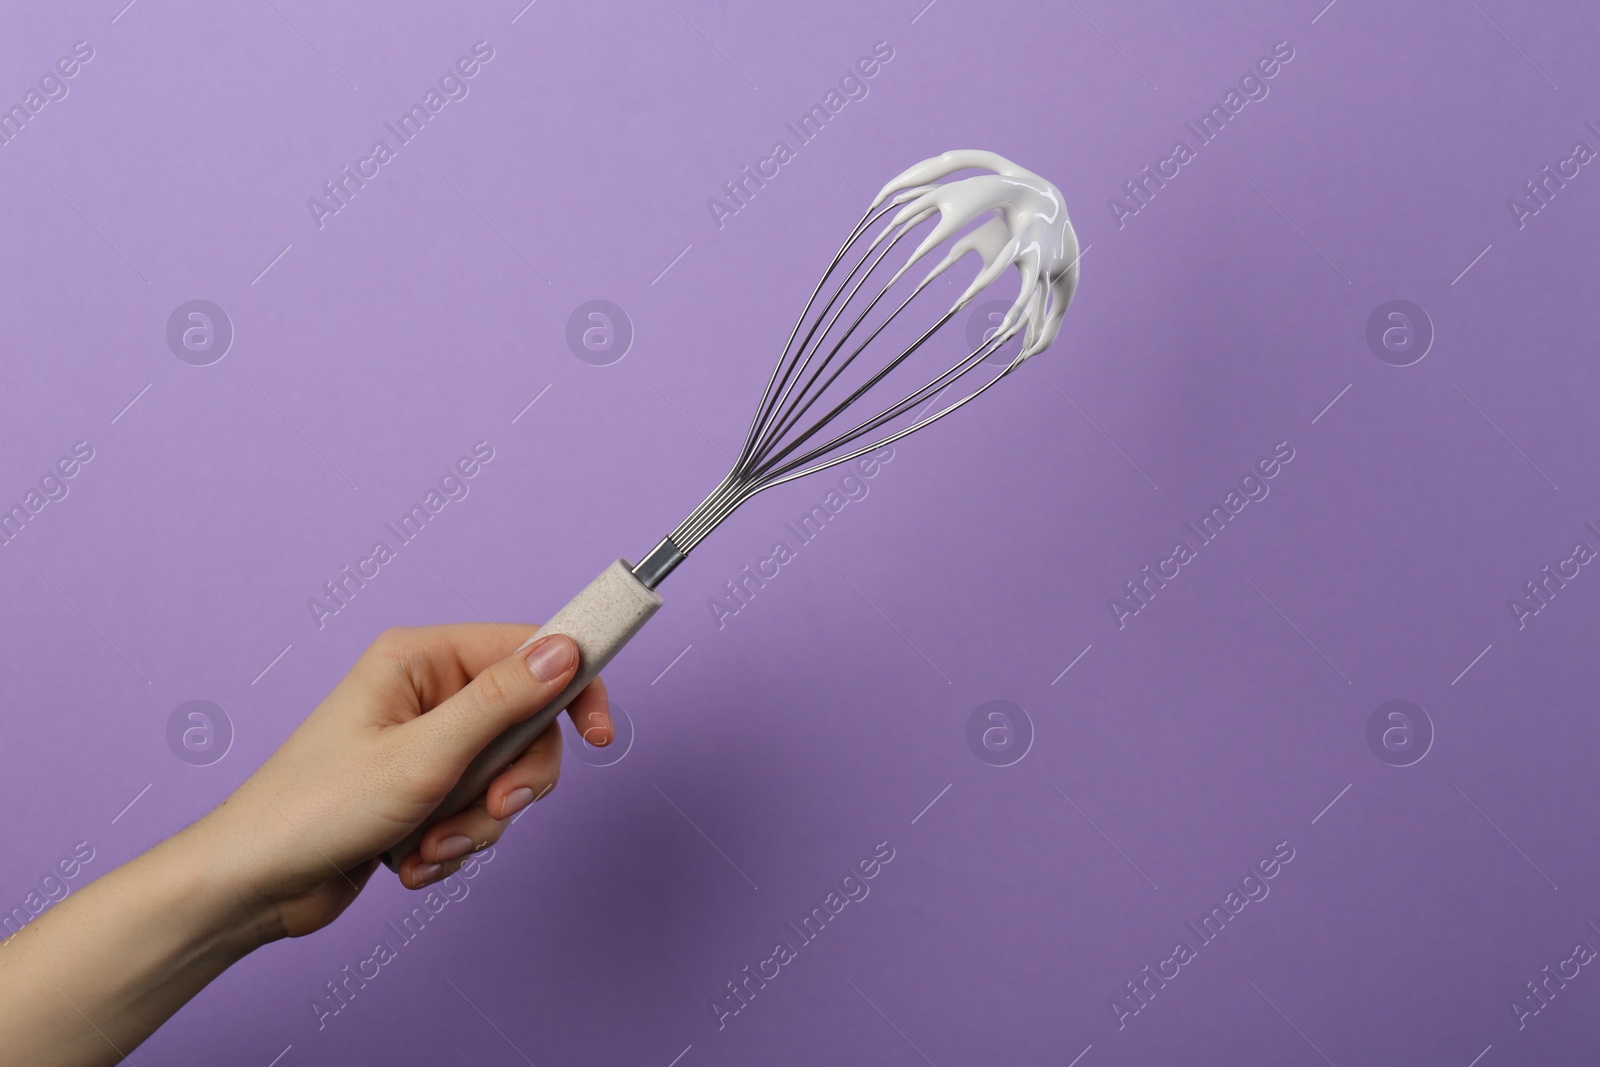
(600, 620)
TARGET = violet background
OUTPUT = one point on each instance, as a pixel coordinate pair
(824, 718)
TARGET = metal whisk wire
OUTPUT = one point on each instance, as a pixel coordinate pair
(768, 456)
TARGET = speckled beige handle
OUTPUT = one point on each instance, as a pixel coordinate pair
(601, 619)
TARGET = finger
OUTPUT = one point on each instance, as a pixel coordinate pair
(439, 661)
(461, 834)
(448, 737)
(451, 842)
(529, 778)
(480, 645)
(590, 713)
(416, 872)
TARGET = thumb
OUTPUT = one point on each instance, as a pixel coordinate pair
(505, 693)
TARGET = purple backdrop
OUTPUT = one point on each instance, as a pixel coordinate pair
(1345, 279)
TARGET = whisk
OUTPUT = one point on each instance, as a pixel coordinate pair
(848, 341)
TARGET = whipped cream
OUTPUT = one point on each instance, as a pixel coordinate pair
(1028, 229)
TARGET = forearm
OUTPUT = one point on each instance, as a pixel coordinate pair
(93, 977)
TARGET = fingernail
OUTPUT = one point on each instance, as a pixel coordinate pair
(551, 656)
(516, 800)
(426, 873)
(451, 847)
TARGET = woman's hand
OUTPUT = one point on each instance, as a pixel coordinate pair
(378, 755)
(91, 978)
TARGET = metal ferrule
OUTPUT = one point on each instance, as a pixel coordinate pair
(659, 563)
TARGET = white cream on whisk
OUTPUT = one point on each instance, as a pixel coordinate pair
(1029, 230)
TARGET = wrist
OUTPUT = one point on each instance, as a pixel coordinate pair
(233, 905)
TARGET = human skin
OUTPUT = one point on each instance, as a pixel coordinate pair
(284, 855)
